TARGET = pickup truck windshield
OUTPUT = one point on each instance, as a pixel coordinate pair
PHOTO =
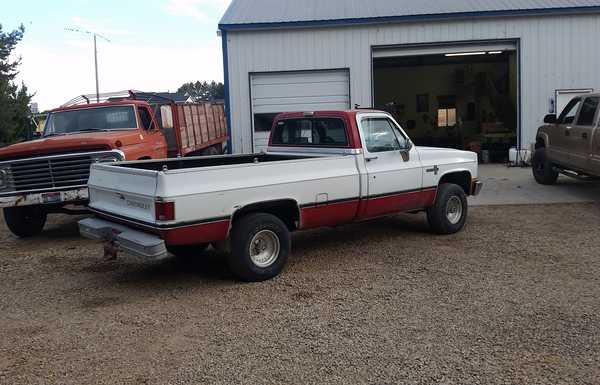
(90, 119)
(311, 132)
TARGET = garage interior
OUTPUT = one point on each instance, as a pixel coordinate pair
(454, 97)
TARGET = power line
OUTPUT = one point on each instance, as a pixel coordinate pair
(95, 35)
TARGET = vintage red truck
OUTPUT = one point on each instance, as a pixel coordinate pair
(322, 169)
(50, 174)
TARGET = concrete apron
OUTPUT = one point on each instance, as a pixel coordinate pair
(508, 186)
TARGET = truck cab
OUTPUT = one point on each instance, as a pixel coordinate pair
(50, 174)
(569, 143)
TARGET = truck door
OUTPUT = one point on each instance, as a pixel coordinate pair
(582, 133)
(156, 142)
(394, 175)
(560, 139)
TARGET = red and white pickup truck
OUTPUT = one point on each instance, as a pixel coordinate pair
(321, 169)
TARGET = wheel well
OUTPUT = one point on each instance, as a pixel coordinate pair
(460, 178)
(287, 210)
(539, 143)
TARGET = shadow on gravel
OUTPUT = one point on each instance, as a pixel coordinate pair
(370, 231)
(211, 268)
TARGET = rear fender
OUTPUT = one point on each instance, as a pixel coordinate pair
(288, 210)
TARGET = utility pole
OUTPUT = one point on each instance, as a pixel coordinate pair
(94, 34)
(96, 70)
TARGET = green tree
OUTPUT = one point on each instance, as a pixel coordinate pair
(203, 91)
(14, 99)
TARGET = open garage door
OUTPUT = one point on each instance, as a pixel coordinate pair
(463, 96)
(273, 93)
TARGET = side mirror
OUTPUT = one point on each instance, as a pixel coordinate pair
(405, 151)
(550, 119)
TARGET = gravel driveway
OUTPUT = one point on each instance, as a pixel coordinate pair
(514, 299)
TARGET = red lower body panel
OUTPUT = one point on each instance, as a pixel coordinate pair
(194, 234)
(399, 202)
(329, 214)
(349, 211)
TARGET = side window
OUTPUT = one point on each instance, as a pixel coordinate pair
(380, 135)
(568, 114)
(145, 118)
(312, 132)
(588, 112)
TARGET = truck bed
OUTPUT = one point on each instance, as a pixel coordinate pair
(206, 189)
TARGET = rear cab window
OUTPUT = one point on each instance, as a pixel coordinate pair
(311, 132)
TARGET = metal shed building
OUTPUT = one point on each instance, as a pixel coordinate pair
(455, 73)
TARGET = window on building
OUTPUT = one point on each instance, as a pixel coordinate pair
(321, 132)
(588, 112)
(446, 111)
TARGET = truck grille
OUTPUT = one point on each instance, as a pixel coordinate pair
(54, 172)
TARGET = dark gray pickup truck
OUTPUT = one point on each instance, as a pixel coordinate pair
(570, 143)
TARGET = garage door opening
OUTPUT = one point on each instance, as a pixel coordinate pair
(464, 98)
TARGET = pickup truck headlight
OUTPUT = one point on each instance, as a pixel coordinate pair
(5, 181)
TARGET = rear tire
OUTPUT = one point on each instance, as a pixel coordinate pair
(188, 251)
(26, 221)
(449, 211)
(543, 169)
(260, 246)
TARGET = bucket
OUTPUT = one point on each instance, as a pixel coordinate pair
(512, 155)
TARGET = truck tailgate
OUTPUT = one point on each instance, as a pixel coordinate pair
(123, 191)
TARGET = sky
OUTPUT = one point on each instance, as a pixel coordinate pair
(154, 45)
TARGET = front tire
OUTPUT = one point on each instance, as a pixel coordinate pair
(543, 169)
(260, 246)
(449, 212)
(26, 221)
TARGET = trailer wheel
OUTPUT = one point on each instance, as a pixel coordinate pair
(449, 212)
(188, 251)
(260, 245)
(26, 221)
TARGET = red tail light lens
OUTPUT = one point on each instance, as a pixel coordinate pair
(165, 211)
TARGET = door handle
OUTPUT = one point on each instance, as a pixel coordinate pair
(584, 135)
(370, 158)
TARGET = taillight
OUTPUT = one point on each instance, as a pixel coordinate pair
(165, 211)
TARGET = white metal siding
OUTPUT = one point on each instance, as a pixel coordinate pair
(297, 91)
(556, 53)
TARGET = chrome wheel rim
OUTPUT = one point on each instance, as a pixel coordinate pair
(264, 248)
(454, 210)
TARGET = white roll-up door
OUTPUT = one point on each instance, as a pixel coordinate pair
(277, 92)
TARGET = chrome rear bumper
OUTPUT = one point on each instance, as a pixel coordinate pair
(118, 237)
